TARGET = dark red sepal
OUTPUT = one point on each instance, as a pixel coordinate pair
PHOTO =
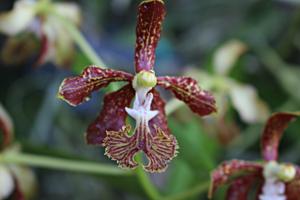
(76, 90)
(272, 134)
(240, 188)
(187, 90)
(232, 169)
(112, 117)
(151, 14)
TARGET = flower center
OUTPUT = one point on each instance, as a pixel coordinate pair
(275, 176)
(143, 82)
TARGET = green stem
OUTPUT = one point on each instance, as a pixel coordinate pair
(173, 105)
(61, 164)
(81, 41)
(83, 44)
(145, 181)
(202, 187)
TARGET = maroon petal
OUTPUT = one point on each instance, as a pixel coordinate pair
(113, 115)
(6, 127)
(239, 189)
(76, 90)
(187, 90)
(161, 119)
(230, 169)
(272, 134)
(151, 14)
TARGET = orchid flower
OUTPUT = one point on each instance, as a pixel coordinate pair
(17, 182)
(274, 180)
(151, 134)
(40, 18)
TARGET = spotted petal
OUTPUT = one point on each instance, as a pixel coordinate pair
(239, 189)
(272, 134)
(230, 169)
(76, 90)
(112, 117)
(6, 127)
(151, 13)
(187, 90)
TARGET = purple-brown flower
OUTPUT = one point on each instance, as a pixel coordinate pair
(273, 180)
(151, 134)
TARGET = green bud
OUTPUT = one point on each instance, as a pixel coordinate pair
(287, 172)
(144, 79)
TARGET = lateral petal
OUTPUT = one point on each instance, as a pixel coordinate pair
(112, 117)
(76, 90)
(187, 90)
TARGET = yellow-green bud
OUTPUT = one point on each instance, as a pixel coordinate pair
(144, 79)
(287, 172)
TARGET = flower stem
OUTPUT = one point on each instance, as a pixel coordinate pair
(200, 188)
(81, 41)
(61, 164)
(83, 44)
(145, 180)
(173, 105)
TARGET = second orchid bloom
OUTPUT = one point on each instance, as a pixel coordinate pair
(151, 134)
(270, 179)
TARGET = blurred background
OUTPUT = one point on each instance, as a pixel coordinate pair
(245, 52)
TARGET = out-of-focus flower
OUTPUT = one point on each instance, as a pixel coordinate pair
(17, 182)
(230, 92)
(276, 181)
(151, 134)
(226, 56)
(221, 83)
(42, 19)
